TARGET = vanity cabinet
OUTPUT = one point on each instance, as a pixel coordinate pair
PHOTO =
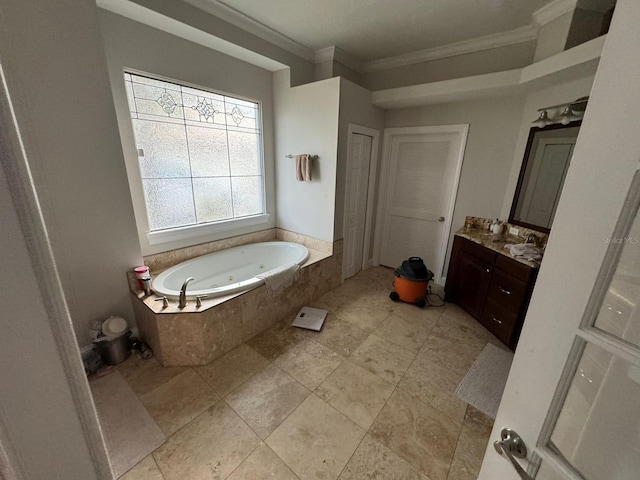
(493, 288)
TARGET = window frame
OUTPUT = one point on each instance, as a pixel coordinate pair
(186, 232)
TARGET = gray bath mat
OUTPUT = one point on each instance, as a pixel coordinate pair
(484, 383)
(130, 432)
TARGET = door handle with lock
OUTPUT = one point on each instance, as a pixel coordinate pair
(513, 447)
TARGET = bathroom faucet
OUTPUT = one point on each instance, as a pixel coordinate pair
(182, 302)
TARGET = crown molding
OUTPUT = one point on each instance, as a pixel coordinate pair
(511, 37)
(240, 20)
(167, 24)
(337, 54)
(324, 54)
(550, 12)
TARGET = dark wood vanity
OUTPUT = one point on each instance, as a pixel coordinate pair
(492, 287)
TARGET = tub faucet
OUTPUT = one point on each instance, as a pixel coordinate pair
(182, 301)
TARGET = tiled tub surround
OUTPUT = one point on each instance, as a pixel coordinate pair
(371, 396)
(197, 336)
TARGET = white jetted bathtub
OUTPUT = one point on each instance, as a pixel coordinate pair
(229, 271)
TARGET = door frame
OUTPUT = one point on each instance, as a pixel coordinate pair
(389, 134)
(371, 189)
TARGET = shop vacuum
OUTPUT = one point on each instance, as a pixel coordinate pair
(411, 282)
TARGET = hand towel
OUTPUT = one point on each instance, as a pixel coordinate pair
(525, 251)
(278, 279)
(303, 168)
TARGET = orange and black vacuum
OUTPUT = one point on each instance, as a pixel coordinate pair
(411, 282)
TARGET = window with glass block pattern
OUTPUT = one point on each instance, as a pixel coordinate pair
(199, 152)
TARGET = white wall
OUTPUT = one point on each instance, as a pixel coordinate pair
(130, 44)
(493, 132)
(306, 121)
(60, 80)
(552, 36)
(51, 54)
(550, 96)
(356, 108)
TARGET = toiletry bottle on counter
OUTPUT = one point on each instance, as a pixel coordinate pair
(496, 227)
(142, 273)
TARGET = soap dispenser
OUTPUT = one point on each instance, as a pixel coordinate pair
(496, 227)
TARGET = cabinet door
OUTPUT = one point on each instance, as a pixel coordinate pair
(472, 284)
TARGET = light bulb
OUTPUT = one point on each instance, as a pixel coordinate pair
(566, 117)
(543, 120)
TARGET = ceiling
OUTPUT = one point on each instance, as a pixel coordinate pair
(375, 29)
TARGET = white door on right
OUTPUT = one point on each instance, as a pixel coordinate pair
(573, 393)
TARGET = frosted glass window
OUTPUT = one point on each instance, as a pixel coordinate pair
(199, 152)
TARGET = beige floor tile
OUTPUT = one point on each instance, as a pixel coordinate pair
(430, 315)
(448, 353)
(232, 369)
(263, 464)
(364, 315)
(178, 401)
(316, 441)
(277, 339)
(379, 275)
(332, 301)
(339, 335)
(212, 446)
(143, 375)
(309, 363)
(145, 470)
(357, 393)
(408, 332)
(418, 433)
(267, 399)
(457, 324)
(385, 359)
(372, 460)
(472, 444)
(434, 385)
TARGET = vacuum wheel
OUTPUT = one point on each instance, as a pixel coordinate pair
(420, 302)
(394, 296)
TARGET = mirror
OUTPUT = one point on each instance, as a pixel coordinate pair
(544, 168)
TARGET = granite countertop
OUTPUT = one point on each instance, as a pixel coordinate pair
(495, 243)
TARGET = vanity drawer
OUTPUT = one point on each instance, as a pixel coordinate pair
(506, 291)
(514, 268)
(499, 321)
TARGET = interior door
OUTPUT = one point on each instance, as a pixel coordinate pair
(357, 185)
(422, 169)
(573, 393)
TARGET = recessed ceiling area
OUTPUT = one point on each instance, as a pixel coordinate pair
(375, 29)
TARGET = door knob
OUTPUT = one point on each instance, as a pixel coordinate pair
(512, 445)
(441, 219)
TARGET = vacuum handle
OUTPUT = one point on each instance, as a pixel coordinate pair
(416, 259)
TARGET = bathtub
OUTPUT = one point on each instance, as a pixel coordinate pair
(228, 271)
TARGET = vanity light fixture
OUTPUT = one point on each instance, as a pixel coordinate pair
(571, 112)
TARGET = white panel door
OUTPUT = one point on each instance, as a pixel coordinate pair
(357, 184)
(573, 392)
(421, 182)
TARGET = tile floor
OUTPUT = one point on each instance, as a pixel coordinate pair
(369, 397)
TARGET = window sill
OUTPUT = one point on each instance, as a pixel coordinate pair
(193, 231)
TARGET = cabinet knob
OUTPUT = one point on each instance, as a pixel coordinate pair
(496, 320)
(488, 270)
(506, 292)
